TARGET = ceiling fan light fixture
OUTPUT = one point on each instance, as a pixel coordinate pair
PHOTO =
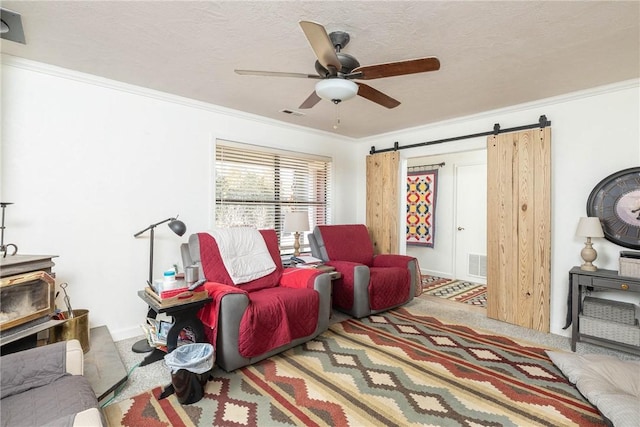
(336, 90)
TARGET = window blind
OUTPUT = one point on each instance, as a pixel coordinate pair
(256, 186)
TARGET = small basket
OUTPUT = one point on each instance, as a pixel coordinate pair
(629, 267)
(612, 331)
(615, 311)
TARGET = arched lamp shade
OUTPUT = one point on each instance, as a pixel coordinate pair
(178, 227)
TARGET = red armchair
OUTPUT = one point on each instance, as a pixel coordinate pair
(255, 320)
(369, 284)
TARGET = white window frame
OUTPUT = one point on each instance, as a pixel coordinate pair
(303, 180)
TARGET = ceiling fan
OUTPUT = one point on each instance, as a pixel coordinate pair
(336, 70)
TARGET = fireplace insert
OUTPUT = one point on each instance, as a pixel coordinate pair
(26, 299)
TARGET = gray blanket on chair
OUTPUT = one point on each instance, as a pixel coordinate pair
(37, 390)
(37, 367)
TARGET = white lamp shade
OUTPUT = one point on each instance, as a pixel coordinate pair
(336, 89)
(589, 227)
(296, 221)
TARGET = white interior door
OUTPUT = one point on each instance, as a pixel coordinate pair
(471, 223)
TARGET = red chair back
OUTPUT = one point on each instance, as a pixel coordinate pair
(350, 242)
(214, 270)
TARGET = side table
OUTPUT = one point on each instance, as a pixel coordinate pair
(601, 280)
(184, 315)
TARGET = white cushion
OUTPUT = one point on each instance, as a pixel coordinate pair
(244, 253)
(610, 384)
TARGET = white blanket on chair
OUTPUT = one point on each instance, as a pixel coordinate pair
(244, 253)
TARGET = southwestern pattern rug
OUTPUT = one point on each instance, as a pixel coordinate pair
(455, 290)
(392, 369)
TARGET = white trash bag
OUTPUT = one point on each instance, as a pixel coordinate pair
(197, 358)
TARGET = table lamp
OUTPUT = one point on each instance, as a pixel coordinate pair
(295, 222)
(589, 227)
(177, 227)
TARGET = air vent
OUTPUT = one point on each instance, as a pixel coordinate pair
(11, 26)
(477, 265)
(292, 112)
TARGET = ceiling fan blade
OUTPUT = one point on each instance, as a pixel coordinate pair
(376, 96)
(312, 100)
(321, 44)
(400, 68)
(276, 74)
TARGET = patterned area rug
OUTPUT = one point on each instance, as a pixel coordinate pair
(455, 290)
(393, 369)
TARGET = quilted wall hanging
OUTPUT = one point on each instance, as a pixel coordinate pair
(421, 207)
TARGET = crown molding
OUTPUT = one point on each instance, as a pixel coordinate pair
(559, 99)
(65, 73)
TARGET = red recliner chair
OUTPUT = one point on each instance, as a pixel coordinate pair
(251, 321)
(369, 284)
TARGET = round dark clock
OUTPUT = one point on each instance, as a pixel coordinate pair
(616, 201)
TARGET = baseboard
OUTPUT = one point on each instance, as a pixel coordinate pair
(436, 273)
(123, 334)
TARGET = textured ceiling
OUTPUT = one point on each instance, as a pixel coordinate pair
(493, 54)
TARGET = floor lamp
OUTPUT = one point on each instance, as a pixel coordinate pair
(177, 227)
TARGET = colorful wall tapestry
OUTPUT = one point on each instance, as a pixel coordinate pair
(421, 207)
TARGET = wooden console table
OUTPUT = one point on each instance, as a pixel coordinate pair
(603, 280)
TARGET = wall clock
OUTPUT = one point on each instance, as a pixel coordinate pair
(616, 201)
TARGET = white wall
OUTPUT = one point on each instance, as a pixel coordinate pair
(439, 260)
(594, 134)
(89, 162)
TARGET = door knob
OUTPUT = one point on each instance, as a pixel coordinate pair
(460, 228)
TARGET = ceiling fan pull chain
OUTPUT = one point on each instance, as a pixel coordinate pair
(337, 123)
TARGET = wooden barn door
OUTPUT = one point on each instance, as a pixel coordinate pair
(383, 188)
(519, 228)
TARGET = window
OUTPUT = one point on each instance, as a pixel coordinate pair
(255, 186)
